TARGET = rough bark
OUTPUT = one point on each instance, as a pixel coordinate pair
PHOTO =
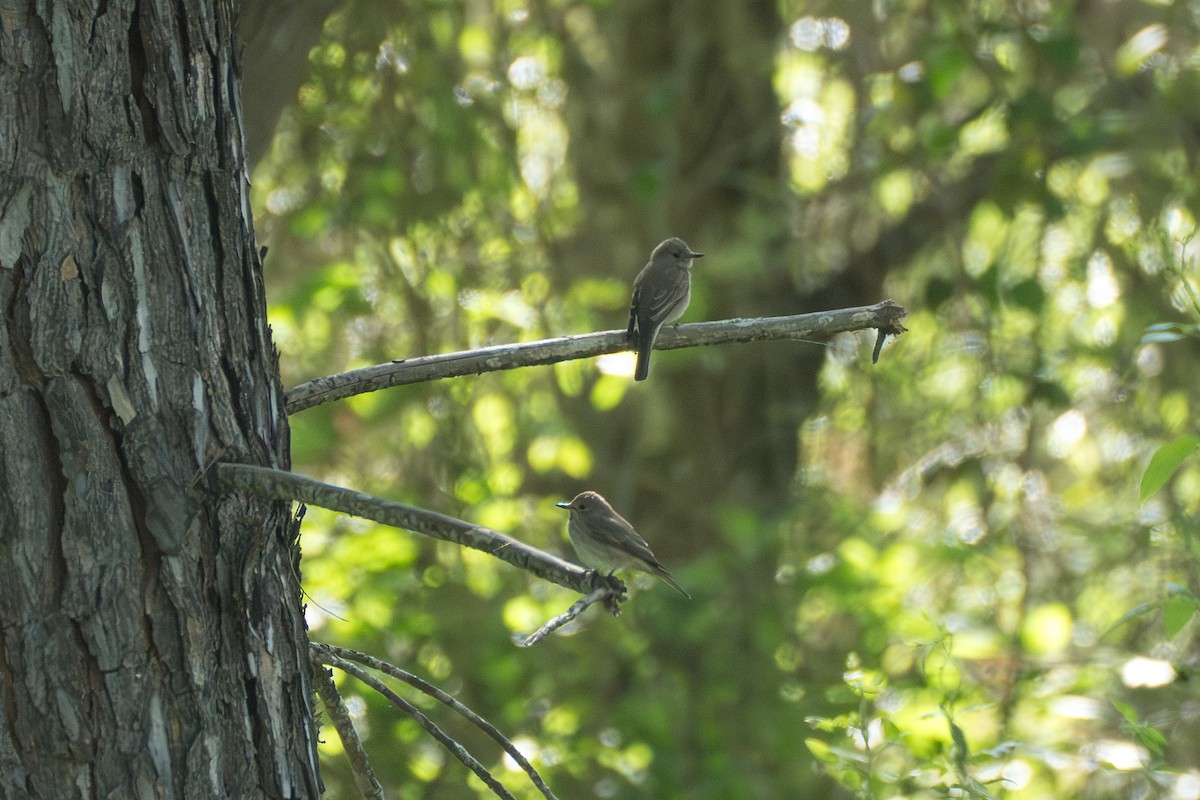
(151, 637)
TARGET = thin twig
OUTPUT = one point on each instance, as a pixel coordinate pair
(881, 334)
(443, 697)
(360, 764)
(821, 324)
(562, 619)
(456, 749)
(280, 485)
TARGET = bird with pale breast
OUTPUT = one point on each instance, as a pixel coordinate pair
(606, 542)
(661, 293)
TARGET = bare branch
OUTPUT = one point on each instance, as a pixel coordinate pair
(562, 619)
(456, 749)
(441, 696)
(279, 485)
(822, 324)
(360, 764)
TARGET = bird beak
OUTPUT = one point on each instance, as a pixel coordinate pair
(695, 255)
(563, 505)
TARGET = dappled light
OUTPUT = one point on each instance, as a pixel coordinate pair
(938, 575)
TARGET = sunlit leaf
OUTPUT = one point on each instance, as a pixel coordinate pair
(1143, 44)
(1152, 738)
(1177, 612)
(820, 750)
(1125, 710)
(1165, 461)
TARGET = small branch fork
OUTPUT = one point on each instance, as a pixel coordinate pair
(339, 715)
(571, 613)
(884, 317)
(352, 662)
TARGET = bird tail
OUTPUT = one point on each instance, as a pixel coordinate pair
(645, 345)
(659, 571)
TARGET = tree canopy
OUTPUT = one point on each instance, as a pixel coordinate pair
(957, 568)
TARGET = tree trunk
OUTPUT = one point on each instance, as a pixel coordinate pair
(151, 636)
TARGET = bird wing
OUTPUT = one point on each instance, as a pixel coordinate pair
(633, 313)
(661, 290)
(623, 537)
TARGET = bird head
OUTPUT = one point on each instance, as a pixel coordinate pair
(675, 250)
(584, 501)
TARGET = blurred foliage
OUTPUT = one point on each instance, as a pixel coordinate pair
(931, 577)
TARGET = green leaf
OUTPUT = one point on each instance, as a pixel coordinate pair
(1126, 711)
(1165, 461)
(961, 751)
(1152, 738)
(1136, 611)
(1176, 613)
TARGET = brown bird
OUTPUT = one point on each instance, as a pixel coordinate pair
(605, 541)
(661, 292)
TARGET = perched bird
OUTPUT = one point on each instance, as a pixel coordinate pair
(661, 292)
(606, 542)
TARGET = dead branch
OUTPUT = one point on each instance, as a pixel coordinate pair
(339, 715)
(279, 485)
(321, 650)
(884, 316)
(571, 613)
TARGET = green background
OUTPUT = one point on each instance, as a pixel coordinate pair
(933, 574)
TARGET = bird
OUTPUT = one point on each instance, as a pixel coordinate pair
(605, 541)
(661, 292)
